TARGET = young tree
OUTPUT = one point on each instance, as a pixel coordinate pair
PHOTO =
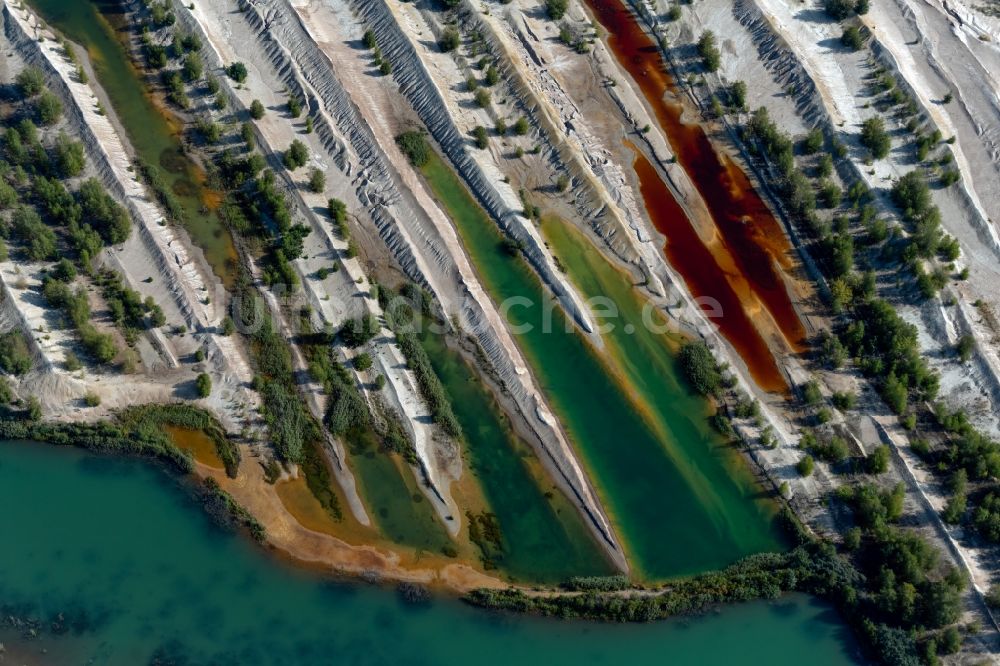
(204, 385)
(851, 38)
(875, 138)
(738, 96)
(556, 9)
(709, 52)
(450, 39)
(193, 67)
(256, 109)
(483, 98)
(68, 156)
(492, 76)
(838, 9)
(317, 181)
(805, 465)
(30, 81)
(248, 136)
(813, 142)
(296, 156)
(48, 108)
(481, 137)
(878, 463)
(34, 409)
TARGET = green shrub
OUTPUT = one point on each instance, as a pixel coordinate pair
(237, 71)
(15, 355)
(203, 384)
(257, 110)
(363, 362)
(414, 146)
(700, 368)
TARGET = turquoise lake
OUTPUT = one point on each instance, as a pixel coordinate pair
(139, 570)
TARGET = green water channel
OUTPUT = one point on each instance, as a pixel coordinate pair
(714, 471)
(669, 495)
(544, 538)
(400, 510)
(153, 135)
(136, 569)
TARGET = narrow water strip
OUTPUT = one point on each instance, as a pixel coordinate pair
(544, 537)
(667, 528)
(705, 278)
(748, 229)
(153, 132)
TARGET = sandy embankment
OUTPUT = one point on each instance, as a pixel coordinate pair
(160, 250)
(408, 36)
(331, 555)
(391, 197)
(391, 193)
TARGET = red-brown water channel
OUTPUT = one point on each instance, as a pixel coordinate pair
(747, 228)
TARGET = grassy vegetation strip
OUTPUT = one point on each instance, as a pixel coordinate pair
(764, 576)
(193, 418)
(138, 438)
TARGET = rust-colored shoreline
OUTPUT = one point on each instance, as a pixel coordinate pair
(706, 278)
(747, 227)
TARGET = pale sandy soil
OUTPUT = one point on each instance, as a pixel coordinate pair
(330, 554)
(180, 285)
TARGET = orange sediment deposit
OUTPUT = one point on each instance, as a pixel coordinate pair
(305, 534)
(198, 443)
(747, 228)
(708, 271)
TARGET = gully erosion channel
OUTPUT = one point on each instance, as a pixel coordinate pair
(751, 239)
